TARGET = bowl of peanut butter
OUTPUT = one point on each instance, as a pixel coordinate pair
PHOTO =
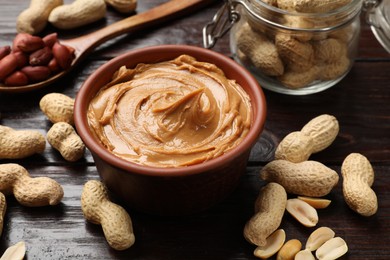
(170, 127)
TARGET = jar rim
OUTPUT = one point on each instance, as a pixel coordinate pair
(350, 7)
(269, 14)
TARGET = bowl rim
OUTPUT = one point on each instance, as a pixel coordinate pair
(95, 147)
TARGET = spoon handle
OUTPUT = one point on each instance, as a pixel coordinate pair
(171, 9)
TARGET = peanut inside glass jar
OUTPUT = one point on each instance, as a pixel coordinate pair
(295, 47)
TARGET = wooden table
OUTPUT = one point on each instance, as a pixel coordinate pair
(361, 103)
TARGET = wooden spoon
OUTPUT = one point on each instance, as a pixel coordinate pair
(85, 44)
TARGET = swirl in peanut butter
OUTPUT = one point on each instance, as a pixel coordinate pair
(169, 114)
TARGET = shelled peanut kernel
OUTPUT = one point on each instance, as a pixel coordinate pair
(32, 59)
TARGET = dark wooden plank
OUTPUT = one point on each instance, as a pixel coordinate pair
(360, 102)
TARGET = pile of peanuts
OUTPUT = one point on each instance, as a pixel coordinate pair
(78, 13)
(292, 173)
(33, 59)
(297, 58)
(43, 191)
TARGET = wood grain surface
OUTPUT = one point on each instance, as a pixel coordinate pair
(361, 103)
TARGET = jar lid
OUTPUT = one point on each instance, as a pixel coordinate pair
(378, 17)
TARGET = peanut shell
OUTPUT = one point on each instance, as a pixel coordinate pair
(57, 107)
(115, 221)
(269, 210)
(308, 178)
(358, 177)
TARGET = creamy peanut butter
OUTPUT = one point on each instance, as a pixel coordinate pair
(169, 114)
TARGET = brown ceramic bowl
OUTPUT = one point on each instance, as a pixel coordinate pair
(170, 191)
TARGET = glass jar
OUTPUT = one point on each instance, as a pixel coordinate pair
(296, 50)
(378, 17)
